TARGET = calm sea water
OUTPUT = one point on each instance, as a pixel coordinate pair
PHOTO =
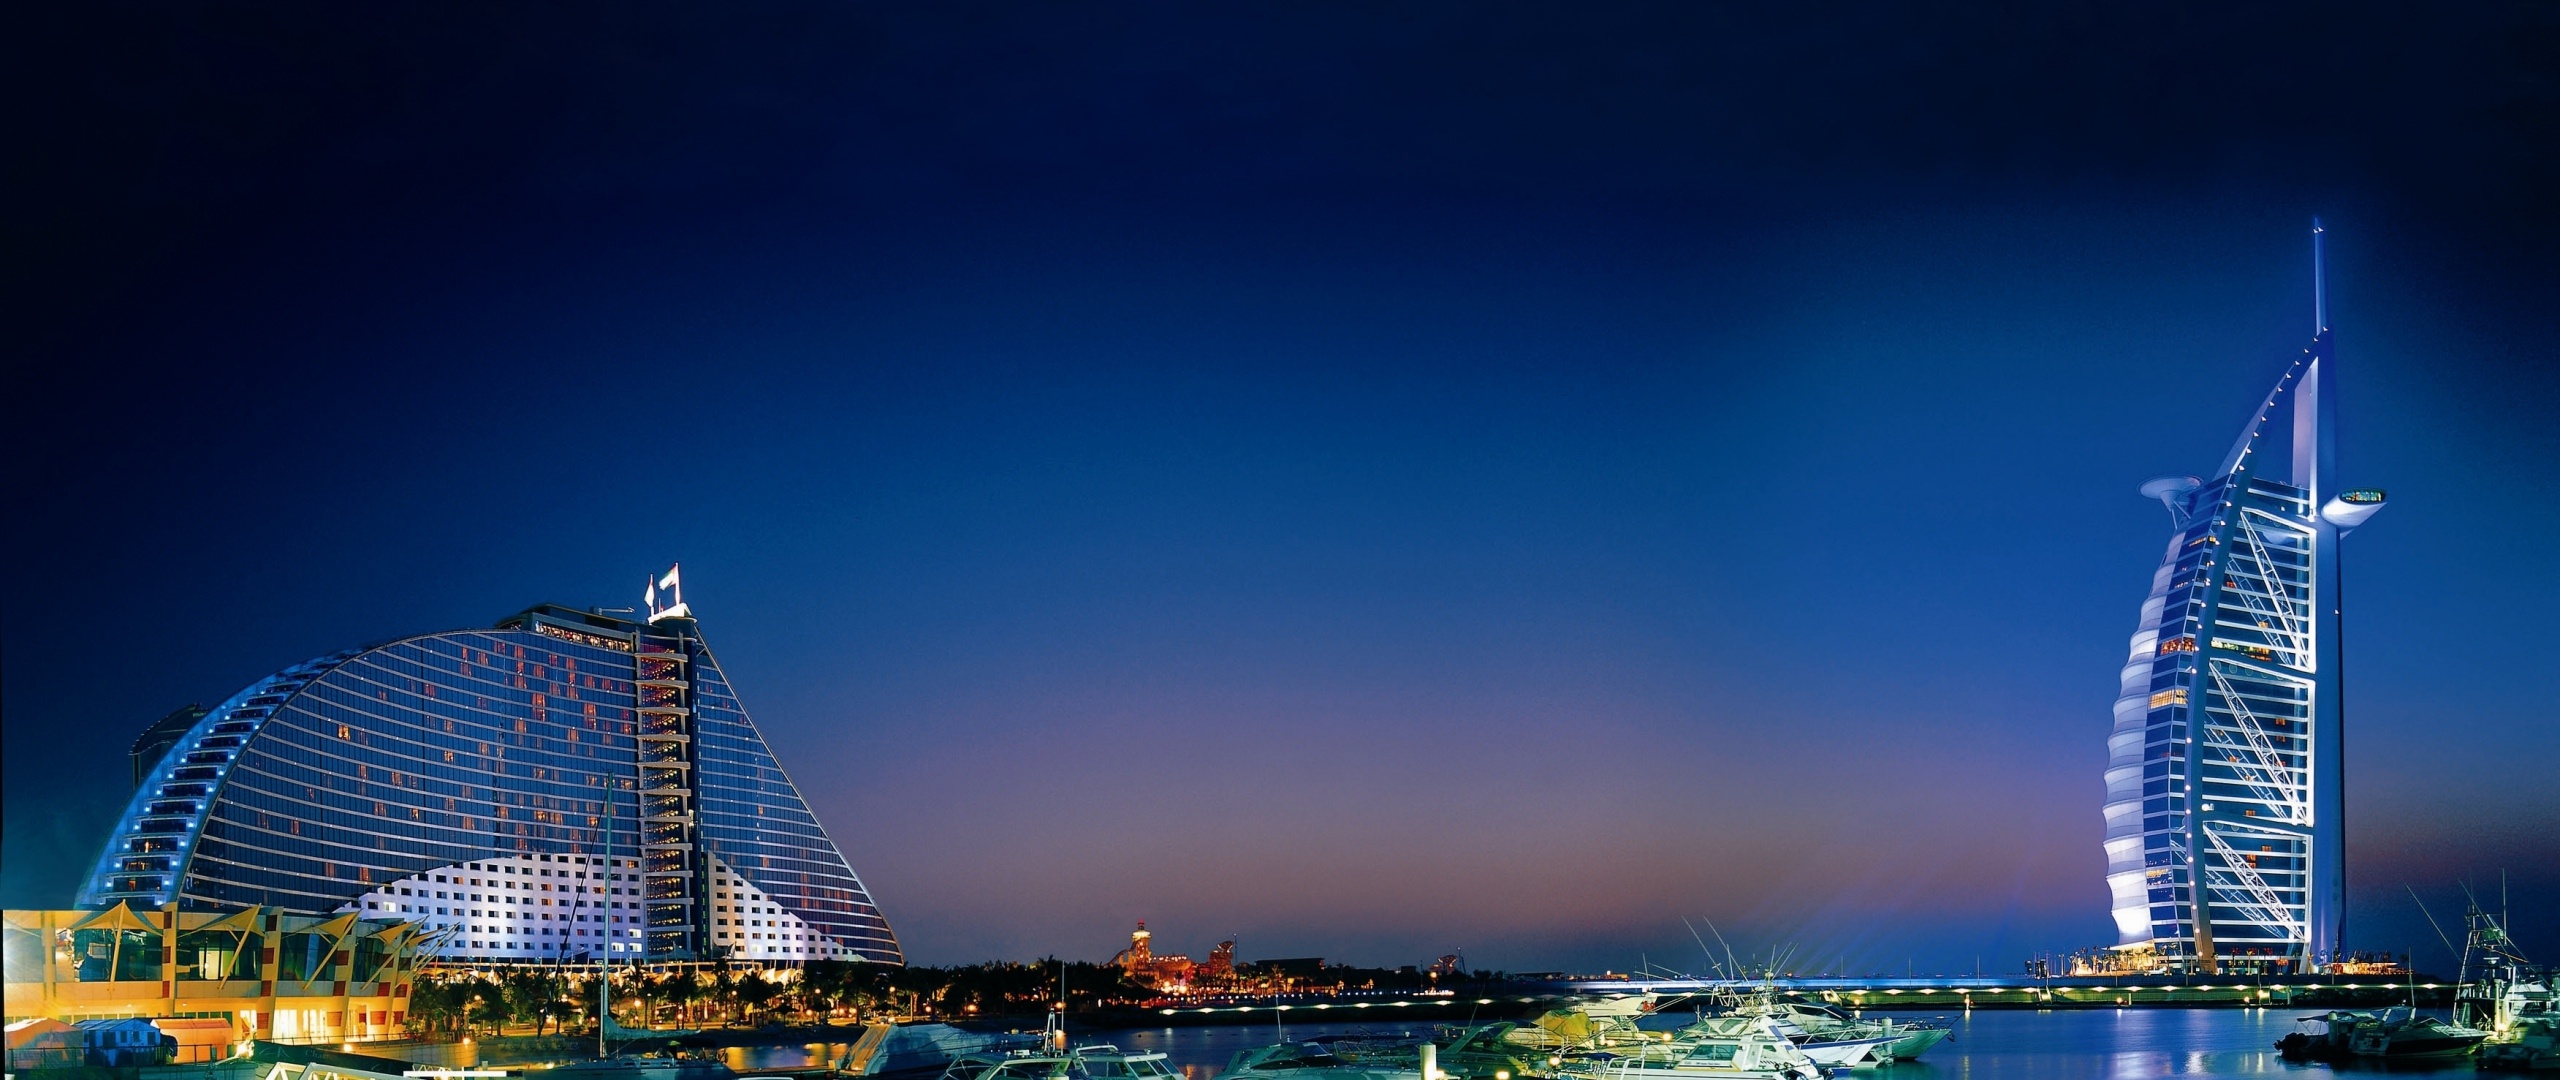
(1987, 1045)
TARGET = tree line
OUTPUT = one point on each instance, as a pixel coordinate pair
(539, 1000)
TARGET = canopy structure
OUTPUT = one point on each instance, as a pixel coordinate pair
(119, 917)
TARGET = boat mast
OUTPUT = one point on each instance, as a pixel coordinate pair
(1057, 1030)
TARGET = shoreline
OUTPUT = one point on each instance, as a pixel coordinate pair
(1461, 1011)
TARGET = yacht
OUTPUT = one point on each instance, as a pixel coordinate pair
(1486, 1052)
(1099, 1061)
(1590, 1024)
(1858, 1049)
(1459, 1052)
(1309, 1061)
(1910, 1037)
(2510, 998)
(2396, 1034)
(1009, 1065)
(1754, 1053)
(2524, 1028)
(890, 1050)
(643, 1067)
(1614, 1023)
(1103, 1061)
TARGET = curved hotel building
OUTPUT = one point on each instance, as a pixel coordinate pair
(2225, 837)
(565, 785)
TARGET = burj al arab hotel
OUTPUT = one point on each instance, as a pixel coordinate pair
(2224, 813)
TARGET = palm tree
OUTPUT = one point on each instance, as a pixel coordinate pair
(535, 996)
(649, 991)
(564, 1006)
(435, 1006)
(682, 988)
(827, 983)
(753, 992)
(723, 992)
(488, 1006)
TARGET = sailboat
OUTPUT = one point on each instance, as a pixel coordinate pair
(610, 1065)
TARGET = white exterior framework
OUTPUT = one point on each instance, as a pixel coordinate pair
(2224, 811)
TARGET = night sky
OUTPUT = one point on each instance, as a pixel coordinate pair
(1375, 480)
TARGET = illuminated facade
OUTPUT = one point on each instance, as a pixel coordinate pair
(2225, 832)
(567, 784)
(223, 977)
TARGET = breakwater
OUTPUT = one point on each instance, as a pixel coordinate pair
(1282, 1010)
(2061, 992)
(1513, 1000)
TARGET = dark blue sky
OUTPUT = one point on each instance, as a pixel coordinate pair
(1371, 480)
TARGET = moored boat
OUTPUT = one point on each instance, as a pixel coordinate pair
(1846, 1049)
(1309, 1061)
(1103, 1061)
(1749, 1054)
(2510, 998)
(2398, 1033)
(894, 1050)
(1916, 1038)
(1909, 1038)
(1009, 1065)
(643, 1067)
(1469, 1052)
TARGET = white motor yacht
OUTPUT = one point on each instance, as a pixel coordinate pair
(1754, 1053)
(1834, 1051)
(1910, 1037)
(1103, 1061)
(1009, 1065)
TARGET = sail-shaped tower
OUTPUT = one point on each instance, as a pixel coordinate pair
(2225, 805)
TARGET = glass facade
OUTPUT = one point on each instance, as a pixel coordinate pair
(2224, 811)
(559, 736)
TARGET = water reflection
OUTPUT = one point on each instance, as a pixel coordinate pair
(2125, 1044)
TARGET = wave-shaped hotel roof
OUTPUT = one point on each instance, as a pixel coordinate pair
(564, 784)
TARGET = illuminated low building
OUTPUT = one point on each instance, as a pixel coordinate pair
(271, 975)
(565, 786)
(2225, 813)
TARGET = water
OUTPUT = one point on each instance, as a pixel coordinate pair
(1985, 1045)
(2121, 1044)
(1989, 1044)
